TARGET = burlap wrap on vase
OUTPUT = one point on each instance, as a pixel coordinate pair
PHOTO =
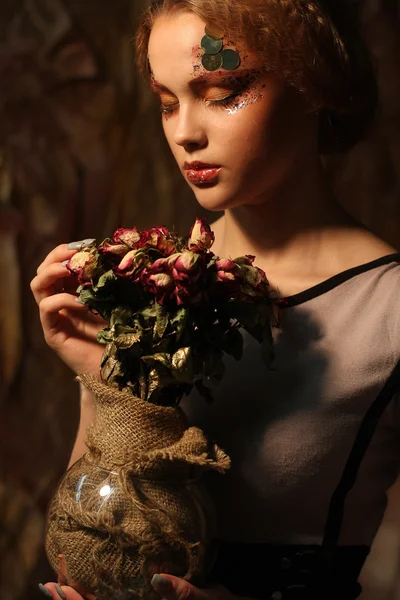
(130, 508)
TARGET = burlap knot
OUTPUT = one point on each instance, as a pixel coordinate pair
(146, 440)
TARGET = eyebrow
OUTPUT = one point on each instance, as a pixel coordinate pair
(216, 77)
(158, 86)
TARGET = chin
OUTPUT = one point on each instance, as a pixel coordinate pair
(214, 199)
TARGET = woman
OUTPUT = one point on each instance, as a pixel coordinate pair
(251, 93)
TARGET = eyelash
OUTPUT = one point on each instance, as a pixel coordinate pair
(167, 110)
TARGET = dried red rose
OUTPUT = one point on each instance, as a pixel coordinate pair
(130, 237)
(84, 265)
(159, 238)
(181, 271)
(132, 264)
(113, 251)
(255, 283)
(201, 237)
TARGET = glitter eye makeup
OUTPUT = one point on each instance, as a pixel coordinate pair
(231, 91)
(248, 90)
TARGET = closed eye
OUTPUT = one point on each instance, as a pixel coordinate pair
(227, 101)
(167, 109)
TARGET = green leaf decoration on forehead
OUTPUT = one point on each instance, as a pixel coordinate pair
(211, 45)
(230, 59)
(212, 62)
(214, 57)
(214, 31)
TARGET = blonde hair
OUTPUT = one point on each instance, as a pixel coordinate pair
(313, 45)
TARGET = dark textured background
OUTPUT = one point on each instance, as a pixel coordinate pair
(81, 151)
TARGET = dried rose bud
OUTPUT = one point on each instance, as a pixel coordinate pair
(201, 237)
(130, 237)
(255, 282)
(84, 265)
(227, 266)
(183, 269)
(159, 238)
(113, 250)
(132, 264)
(161, 281)
(162, 285)
(189, 273)
(161, 266)
(182, 294)
(226, 277)
(187, 266)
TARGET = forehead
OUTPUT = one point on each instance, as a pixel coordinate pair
(174, 46)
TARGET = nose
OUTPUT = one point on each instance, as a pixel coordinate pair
(190, 129)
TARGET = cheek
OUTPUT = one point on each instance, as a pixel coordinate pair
(248, 129)
(265, 129)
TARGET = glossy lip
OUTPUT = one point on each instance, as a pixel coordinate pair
(199, 166)
(203, 177)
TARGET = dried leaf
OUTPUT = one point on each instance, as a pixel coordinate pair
(105, 280)
(182, 365)
(127, 340)
(179, 321)
(158, 379)
(161, 323)
(161, 357)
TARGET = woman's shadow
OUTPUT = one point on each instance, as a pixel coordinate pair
(266, 421)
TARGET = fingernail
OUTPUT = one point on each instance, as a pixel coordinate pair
(60, 592)
(44, 590)
(64, 263)
(161, 584)
(75, 245)
(80, 244)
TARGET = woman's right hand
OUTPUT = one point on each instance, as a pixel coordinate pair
(69, 328)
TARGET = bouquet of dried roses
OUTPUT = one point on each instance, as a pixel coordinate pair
(131, 507)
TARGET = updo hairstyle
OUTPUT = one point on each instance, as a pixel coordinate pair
(314, 45)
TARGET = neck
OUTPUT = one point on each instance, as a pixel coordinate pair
(293, 228)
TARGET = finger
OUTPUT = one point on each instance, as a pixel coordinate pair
(57, 255)
(68, 592)
(64, 251)
(51, 307)
(97, 319)
(51, 280)
(174, 588)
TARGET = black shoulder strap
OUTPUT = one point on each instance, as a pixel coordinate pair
(367, 429)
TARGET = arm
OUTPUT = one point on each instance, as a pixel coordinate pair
(167, 586)
(86, 419)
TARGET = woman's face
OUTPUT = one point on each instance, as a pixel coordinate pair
(237, 135)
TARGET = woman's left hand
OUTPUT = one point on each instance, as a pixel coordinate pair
(168, 586)
(173, 588)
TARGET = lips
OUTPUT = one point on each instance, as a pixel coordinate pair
(200, 173)
(199, 166)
